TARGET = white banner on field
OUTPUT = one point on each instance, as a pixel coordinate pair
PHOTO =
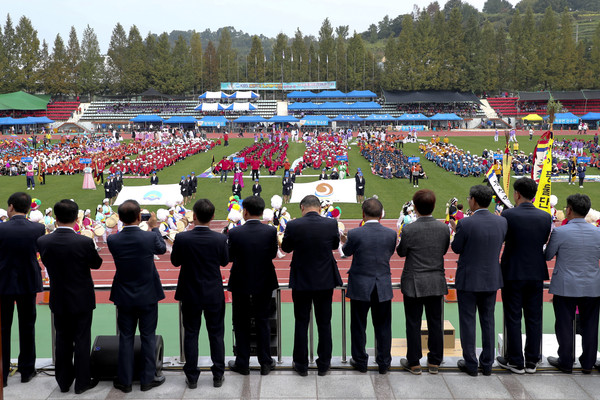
(338, 191)
(150, 195)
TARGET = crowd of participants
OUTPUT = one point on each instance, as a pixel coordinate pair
(516, 238)
(465, 110)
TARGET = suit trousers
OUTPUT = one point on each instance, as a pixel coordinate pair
(128, 319)
(27, 315)
(244, 307)
(527, 296)
(564, 312)
(381, 314)
(413, 311)
(214, 315)
(468, 304)
(73, 337)
(303, 300)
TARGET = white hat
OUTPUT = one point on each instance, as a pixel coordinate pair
(48, 211)
(87, 212)
(3, 213)
(105, 201)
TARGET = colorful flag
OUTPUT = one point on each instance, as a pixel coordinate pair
(544, 191)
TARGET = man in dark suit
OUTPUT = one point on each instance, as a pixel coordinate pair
(252, 247)
(360, 186)
(20, 280)
(424, 244)
(68, 258)
(313, 276)
(370, 286)
(236, 189)
(256, 188)
(154, 178)
(478, 241)
(193, 185)
(323, 175)
(200, 253)
(136, 291)
(524, 271)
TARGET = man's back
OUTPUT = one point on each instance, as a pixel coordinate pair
(200, 253)
(136, 280)
(20, 271)
(479, 240)
(312, 238)
(68, 258)
(252, 248)
(528, 231)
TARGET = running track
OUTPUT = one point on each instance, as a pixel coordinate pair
(168, 273)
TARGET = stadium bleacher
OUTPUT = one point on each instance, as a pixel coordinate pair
(61, 110)
(577, 102)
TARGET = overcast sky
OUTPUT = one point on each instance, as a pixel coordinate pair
(268, 17)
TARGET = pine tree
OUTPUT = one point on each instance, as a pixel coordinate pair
(92, 63)
(58, 74)
(182, 67)
(117, 60)
(340, 64)
(279, 66)
(135, 63)
(407, 56)
(10, 55)
(426, 67)
(196, 61)
(163, 67)
(547, 50)
(595, 56)
(300, 52)
(73, 62)
(567, 53)
(211, 67)
(256, 61)
(326, 50)
(27, 47)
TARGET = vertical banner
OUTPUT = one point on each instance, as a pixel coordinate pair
(506, 170)
(539, 155)
(542, 197)
(500, 193)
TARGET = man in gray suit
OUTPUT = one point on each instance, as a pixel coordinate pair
(575, 283)
(370, 285)
(424, 243)
(478, 241)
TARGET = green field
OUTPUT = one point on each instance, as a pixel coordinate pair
(392, 192)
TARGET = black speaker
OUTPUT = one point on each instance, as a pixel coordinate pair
(105, 357)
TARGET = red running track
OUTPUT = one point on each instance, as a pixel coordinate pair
(169, 274)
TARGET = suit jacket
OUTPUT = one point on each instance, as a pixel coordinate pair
(136, 282)
(154, 180)
(200, 253)
(479, 240)
(256, 189)
(424, 244)
(252, 248)
(236, 189)
(20, 272)
(68, 258)
(312, 238)
(372, 245)
(528, 231)
(576, 246)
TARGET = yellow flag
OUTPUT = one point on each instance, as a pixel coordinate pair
(542, 197)
(506, 170)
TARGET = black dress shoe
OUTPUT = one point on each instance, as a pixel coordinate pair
(463, 367)
(191, 384)
(384, 369)
(121, 387)
(357, 366)
(157, 381)
(218, 381)
(265, 369)
(236, 368)
(555, 362)
(27, 378)
(62, 390)
(93, 383)
(298, 370)
(323, 372)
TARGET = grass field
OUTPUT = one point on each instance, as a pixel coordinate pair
(392, 192)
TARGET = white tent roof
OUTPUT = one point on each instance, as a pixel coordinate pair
(241, 107)
(248, 94)
(210, 107)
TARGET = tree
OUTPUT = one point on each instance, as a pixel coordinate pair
(134, 72)
(407, 55)
(341, 64)
(43, 74)
(497, 7)
(567, 53)
(117, 60)
(196, 62)
(27, 47)
(10, 56)
(163, 67)
(211, 67)
(453, 53)
(547, 50)
(150, 57)
(595, 56)
(326, 49)
(300, 51)
(356, 62)
(182, 67)
(426, 65)
(58, 74)
(73, 62)
(490, 58)
(280, 59)
(227, 57)
(92, 63)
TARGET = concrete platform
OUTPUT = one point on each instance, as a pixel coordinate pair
(342, 383)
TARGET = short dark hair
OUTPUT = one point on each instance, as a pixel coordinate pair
(310, 201)
(482, 195)
(66, 211)
(21, 202)
(526, 186)
(204, 210)
(372, 208)
(459, 206)
(424, 201)
(580, 203)
(255, 205)
(129, 211)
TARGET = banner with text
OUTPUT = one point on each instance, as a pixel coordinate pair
(288, 86)
(338, 191)
(544, 191)
(500, 193)
(151, 195)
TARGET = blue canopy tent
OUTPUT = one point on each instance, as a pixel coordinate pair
(244, 95)
(249, 119)
(301, 94)
(241, 107)
(445, 117)
(213, 121)
(412, 117)
(282, 119)
(181, 120)
(303, 106)
(7, 121)
(331, 94)
(379, 117)
(147, 118)
(565, 119)
(348, 118)
(43, 120)
(23, 121)
(334, 105)
(591, 116)
(315, 120)
(365, 105)
(361, 94)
